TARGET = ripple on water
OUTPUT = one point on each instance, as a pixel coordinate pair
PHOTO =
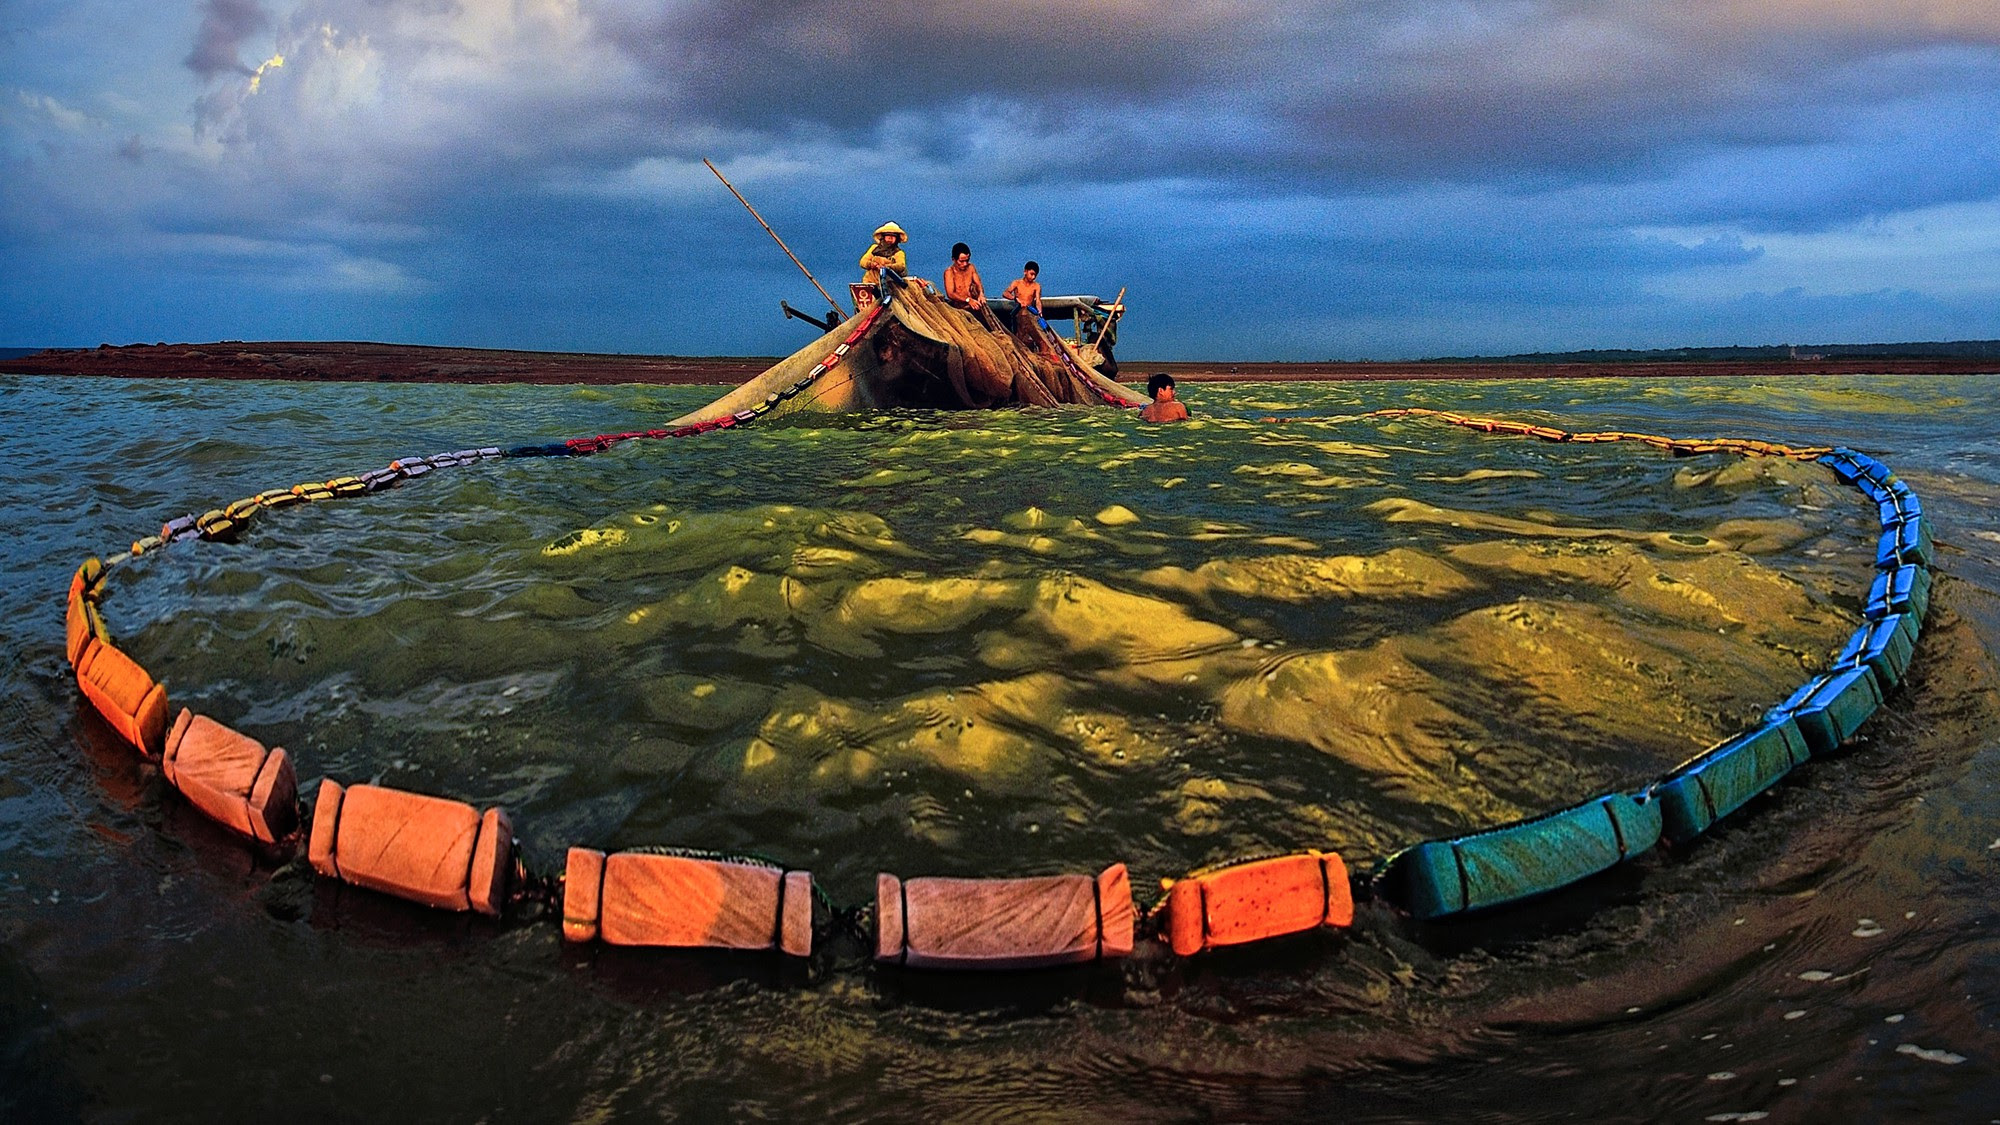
(840, 666)
(1076, 640)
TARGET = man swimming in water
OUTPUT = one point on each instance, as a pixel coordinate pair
(1164, 407)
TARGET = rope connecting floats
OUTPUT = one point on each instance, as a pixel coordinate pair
(449, 855)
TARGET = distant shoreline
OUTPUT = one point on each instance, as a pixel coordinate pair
(410, 363)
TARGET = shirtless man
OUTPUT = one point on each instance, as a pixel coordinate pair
(961, 280)
(1164, 407)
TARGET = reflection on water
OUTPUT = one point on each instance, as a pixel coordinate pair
(1003, 643)
(1305, 635)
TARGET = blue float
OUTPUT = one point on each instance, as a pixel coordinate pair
(1829, 709)
(1906, 541)
(1868, 468)
(1905, 588)
(1884, 646)
(1842, 466)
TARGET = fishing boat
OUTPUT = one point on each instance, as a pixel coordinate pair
(906, 346)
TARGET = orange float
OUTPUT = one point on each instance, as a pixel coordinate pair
(82, 623)
(1690, 447)
(640, 898)
(1263, 899)
(232, 778)
(935, 923)
(425, 849)
(124, 693)
(88, 577)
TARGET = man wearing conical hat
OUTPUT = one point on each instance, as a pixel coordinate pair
(886, 253)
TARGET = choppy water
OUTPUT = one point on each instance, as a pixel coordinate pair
(1005, 643)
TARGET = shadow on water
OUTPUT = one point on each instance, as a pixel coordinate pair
(649, 978)
(36, 1080)
(1009, 644)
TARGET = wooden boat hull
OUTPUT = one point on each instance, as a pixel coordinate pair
(922, 352)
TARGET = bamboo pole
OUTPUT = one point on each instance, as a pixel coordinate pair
(842, 313)
(1110, 318)
(1117, 310)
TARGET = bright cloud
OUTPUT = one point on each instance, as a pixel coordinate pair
(62, 117)
(1951, 247)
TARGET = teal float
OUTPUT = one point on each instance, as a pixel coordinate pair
(1520, 860)
(1720, 780)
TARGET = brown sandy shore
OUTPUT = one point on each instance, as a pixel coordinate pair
(404, 363)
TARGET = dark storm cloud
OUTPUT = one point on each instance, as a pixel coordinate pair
(1282, 97)
(765, 64)
(218, 42)
(1391, 177)
(1532, 103)
(1707, 101)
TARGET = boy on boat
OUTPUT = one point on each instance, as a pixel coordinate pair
(1025, 290)
(1164, 407)
(1026, 293)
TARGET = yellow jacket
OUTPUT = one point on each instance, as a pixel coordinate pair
(872, 259)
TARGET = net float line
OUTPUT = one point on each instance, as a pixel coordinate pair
(448, 855)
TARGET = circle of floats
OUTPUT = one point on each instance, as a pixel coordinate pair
(446, 854)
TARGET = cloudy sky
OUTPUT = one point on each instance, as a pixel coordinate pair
(1271, 178)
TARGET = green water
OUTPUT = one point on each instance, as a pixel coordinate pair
(1012, 643)
(971, 644)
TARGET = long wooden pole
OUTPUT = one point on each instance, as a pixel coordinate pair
(774, 237)
(1117, 310)
(1110, 318)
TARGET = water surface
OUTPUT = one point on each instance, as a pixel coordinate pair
(1005, 643)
